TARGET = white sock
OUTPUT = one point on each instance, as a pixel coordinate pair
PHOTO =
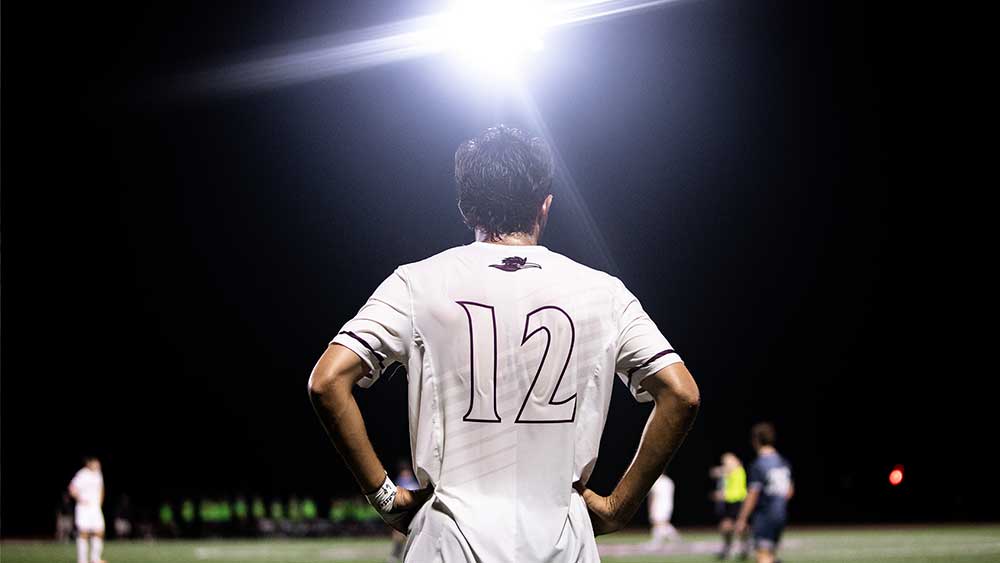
(96, 547)
(81, 549)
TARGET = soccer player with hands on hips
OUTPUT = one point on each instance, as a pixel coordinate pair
(511, 352)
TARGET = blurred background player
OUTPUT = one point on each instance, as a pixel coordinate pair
(730, 497)
(123, 517)
(770, 489)
(64, 518)
(168, 526)
(87, 488)
(404, 479)
(661, 508)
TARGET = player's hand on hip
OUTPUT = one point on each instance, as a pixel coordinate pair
(603, 516)
(405, 507)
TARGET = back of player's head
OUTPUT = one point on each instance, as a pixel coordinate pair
(503, 176)
(91, 462)
(762, 434)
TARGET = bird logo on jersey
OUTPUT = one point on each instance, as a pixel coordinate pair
(514, 263)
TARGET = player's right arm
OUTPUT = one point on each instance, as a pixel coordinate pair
(754, 486)
(749, 504)
(331, 392)
(676, 399)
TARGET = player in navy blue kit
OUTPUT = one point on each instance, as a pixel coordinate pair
(769, 488)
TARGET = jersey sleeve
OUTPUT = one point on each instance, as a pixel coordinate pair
(382, 331)
(641, 348)
(756, 478)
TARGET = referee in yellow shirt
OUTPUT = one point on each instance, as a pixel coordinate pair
(730, 497)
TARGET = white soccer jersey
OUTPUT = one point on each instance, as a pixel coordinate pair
(511, 353)
(89, 486)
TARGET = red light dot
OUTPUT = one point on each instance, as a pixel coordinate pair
(896, 476)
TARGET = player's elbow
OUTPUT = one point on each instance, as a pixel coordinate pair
(684, 391)
(319, 383)
(688, 394)
(335, 374)
(674, 386)
(324, 383)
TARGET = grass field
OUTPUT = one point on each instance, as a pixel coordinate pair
(950, 544)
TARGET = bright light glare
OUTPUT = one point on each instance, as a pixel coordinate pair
(494, 36)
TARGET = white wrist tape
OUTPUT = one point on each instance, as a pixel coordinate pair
(384, 496)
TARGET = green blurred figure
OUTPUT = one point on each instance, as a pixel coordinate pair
(208, 514)
(339, 513)
(240, 509)
(277, 510)
(294, 509)
(223, 517)
(188, 517)
(257, 509)
(223, 513)
(168, 527)
(309, 511)
(205, 510)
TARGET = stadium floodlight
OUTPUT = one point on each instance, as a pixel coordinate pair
(494, 36)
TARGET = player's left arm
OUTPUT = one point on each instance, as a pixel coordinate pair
(331, 393)
(676, 400)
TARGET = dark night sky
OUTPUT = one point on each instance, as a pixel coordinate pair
(173, 268)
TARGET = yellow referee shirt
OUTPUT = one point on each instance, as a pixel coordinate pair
(735, 485)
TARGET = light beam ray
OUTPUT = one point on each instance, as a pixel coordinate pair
(320, 58)
(566, 185)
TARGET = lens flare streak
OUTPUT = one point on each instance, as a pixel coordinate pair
(409, 39)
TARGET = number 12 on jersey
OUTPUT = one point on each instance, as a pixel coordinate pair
(540, 405)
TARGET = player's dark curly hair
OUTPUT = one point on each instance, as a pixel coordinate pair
(503, 175)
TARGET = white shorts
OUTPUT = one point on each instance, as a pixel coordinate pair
(89, 518)
(435, 537)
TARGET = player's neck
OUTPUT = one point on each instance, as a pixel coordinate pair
(766, 450)
(510, 239)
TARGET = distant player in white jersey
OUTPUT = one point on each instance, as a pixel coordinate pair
(511, 353)
(661, 508)
(87, 488)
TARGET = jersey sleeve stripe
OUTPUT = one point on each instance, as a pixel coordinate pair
(381, 366)
(655, 357)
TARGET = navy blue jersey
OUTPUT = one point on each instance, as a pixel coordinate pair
(772, 476)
